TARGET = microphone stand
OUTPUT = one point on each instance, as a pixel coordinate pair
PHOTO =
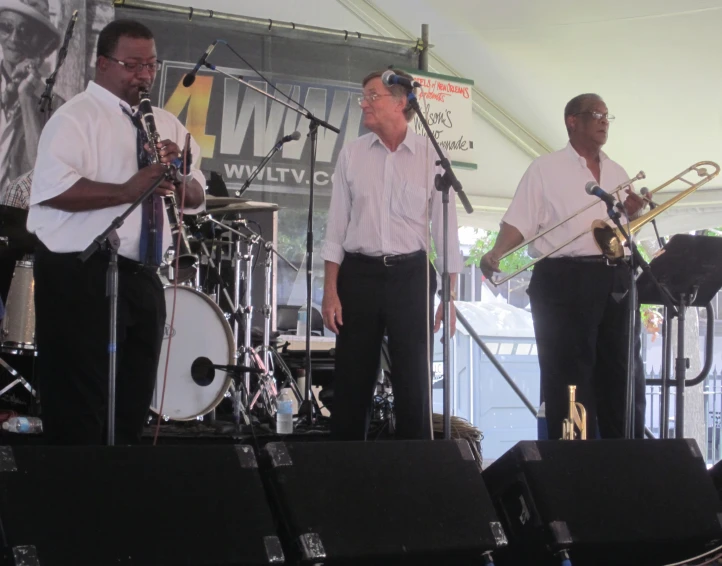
(636, 259)
(306, 410)
(109, 239)
(46, 99)
(260, 166)
(443, 183)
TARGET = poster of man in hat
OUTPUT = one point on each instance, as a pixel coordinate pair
(31, 31)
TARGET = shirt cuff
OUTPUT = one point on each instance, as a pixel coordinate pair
(456, 263)
(333, 252)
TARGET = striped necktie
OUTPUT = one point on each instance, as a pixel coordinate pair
(151, 233)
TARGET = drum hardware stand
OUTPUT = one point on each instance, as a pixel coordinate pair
(109, 240)
(250, 357)
(239, 409)
(19, 380)
(268, 352)
(306, 410)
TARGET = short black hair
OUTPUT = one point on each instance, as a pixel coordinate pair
(398, 91)
(111, 34)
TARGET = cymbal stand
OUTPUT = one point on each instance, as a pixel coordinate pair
(265, 361)
(239, 408)
(245, 310)
(267, 351)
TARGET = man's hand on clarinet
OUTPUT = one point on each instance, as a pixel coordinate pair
(168, 151)
(143, 179)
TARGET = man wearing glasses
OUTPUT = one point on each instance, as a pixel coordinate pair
(578, 301)
(378, 278)
(93, 164)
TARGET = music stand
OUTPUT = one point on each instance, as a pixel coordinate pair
(690, 268)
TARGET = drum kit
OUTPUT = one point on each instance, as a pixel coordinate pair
(209, 319)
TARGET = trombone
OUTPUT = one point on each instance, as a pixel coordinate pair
(609, 240)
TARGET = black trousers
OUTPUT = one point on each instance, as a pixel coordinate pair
(376, 298)
(72, 329)
(581, 328)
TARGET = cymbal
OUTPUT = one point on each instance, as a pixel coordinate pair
(217, 202)
(249, 206)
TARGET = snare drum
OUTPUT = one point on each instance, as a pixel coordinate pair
(17, 331)
(200, 329)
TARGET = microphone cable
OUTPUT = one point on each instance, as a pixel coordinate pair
(176, 259)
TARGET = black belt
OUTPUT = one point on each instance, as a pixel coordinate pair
(386, 260)
(126, 265)
(584, 259)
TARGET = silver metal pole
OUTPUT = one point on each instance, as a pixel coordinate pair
(247, 317)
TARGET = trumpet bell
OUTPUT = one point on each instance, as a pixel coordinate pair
(607, 240)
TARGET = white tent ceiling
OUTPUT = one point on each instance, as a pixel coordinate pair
(657, 64)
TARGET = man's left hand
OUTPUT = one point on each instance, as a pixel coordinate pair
(633, 203)
(168, 151)
(440, 316)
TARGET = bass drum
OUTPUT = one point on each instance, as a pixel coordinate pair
(200, 330)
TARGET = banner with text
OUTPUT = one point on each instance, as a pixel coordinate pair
(446, 103)
(237, 126)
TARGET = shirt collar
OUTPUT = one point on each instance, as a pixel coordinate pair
(104, 96)
(408, 141)
(581, 160)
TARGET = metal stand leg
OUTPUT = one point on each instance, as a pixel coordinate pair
(19, 380)
(247, 314)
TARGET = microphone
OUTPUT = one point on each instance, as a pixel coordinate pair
(390, 78)
(203, 370)
(290, 137)
(593, 189)
(644, 191)
(69, 31)
(46, 98)
(190, 78)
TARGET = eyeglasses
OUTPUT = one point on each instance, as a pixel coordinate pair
(136, 67)
(598, 115)
(370, 98)
(23, 31)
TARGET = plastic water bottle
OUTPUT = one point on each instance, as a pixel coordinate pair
(301, 321)
(284, 414)
(24, 425)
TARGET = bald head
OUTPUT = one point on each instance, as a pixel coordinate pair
(579, 103)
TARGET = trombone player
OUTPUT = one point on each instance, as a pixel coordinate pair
(578, 301)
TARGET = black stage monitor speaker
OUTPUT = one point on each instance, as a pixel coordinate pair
(139, 505)
(626, 502)
(378, 503)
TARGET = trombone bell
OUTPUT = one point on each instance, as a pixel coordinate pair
(609, 240)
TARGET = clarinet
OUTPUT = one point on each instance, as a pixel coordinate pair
(186, 259)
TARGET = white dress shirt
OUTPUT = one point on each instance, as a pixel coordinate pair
(382, 202)
(91, 136)
(552, 189)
